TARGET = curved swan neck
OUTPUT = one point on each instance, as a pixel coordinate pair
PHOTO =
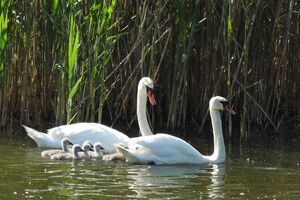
(141, 111)
(76, 154)
(65, 147)
(219, 146)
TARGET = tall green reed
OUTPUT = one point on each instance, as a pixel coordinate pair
(185, 31)
(101, 49)
(183, 45)
(3, 52)
(73, 84)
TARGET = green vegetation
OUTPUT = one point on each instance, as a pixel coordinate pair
(69, 61)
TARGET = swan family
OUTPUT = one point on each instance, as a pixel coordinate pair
(109, 144)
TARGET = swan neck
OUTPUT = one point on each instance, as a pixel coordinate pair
(98, 152)
(76, 154)
(65, 147)
(86, 154)
(141, 112)
(219, 146)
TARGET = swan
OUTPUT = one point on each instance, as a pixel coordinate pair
(79, 132)
(97, 152)
(69, 155)
(167, 149)
(64, 144)
(86, 147)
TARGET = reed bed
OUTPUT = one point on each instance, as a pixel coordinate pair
(65, 62)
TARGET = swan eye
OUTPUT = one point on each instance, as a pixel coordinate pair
(136, 148)
(224, 103)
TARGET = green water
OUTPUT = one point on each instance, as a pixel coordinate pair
(249, 173)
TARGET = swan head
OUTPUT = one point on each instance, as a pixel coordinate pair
(87, 147)
(221, 104)
(88, 142)
(65, 142)
(98, 148)
(76, 148)
(146, 85)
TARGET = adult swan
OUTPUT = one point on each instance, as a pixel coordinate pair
(168, 149)
(79, 132)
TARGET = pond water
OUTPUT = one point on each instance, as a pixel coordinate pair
(255, 172)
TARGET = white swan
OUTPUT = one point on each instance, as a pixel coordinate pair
(167, 149)
(79, 132)
(74, 155)
(64, 144)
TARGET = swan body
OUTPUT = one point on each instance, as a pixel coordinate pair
(167, 149)
(74, 155)
(114, 157)
(79, 132)
(97, 152)
(160, 149)
(64, 144)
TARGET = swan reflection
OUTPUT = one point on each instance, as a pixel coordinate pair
(214, 190)
(176, 180)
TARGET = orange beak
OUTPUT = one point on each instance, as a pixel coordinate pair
(151, 98)
(229, 109)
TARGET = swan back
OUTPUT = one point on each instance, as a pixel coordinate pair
(160, 149)
(80, 132)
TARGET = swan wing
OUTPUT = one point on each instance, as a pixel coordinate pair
(79, 132)
(163, 149)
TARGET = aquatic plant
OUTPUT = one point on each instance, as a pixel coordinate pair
(81, 60)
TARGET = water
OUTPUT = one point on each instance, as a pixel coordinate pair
(258, 172)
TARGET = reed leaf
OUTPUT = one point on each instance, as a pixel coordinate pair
(74, 89)
(73, 46)
(55, 7)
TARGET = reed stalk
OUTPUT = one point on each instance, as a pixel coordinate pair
(3, 54)
(72, 61)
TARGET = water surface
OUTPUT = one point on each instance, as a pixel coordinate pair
(258, 172)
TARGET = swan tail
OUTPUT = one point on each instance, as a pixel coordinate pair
(41, 139)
